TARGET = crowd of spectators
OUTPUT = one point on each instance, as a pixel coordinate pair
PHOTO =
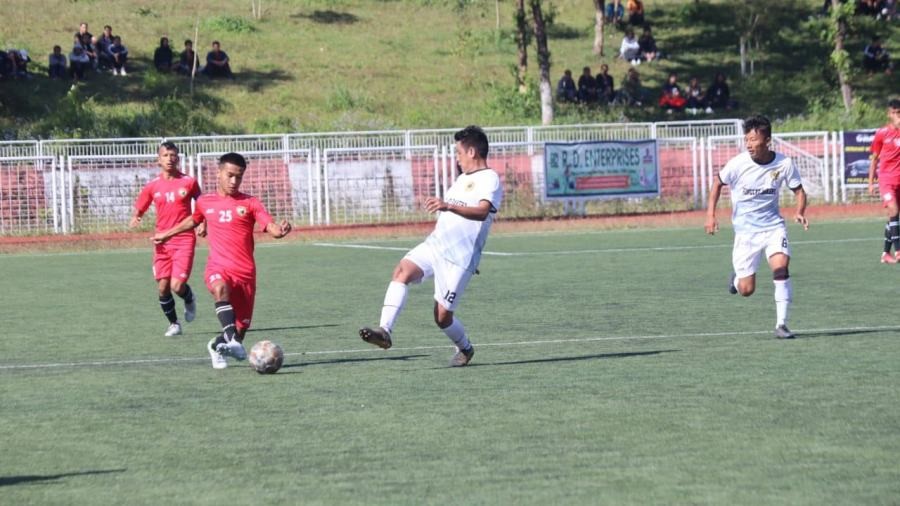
(107, 53)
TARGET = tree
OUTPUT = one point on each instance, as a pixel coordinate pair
(521, 45)
(543, 53)
(752, 18)
(837, 30)
(599, 9)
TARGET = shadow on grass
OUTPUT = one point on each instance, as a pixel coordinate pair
(296, 327)
(401, 358)
(6, 481)
(328, 17)
(848, 332)
(600, 356)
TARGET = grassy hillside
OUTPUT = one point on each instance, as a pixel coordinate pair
(314, 65)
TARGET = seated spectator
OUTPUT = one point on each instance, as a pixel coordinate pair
(19, 61)
(587, 86)
(631, 48)
(162, 57)
(90, 49)
(217, 63)
(6, 65)
(632, 91)
(186, 62)
(119, 54)
(871, 8)
(672, 99)
(875, 58)
(83, 32)
(605, 85)
(635, 10)
(615, 11)
(649, 52)
(696, 98)
(102, 45)
(78, 63)
(565, 88)
(57, 64)
(718, 96)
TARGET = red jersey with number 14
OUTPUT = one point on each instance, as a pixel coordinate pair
(172, 199)
(229, 227)
(886, 145)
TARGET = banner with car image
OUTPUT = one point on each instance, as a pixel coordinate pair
(601, 169)
(856, 158)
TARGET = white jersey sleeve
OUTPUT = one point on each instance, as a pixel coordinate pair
(792, 175)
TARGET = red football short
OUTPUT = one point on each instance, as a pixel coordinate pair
(173, 260)
(243, 294)
(889, 191)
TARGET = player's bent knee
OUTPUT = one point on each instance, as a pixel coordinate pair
(780, 273)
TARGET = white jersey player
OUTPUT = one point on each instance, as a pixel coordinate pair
(452, 252)
(755, 178)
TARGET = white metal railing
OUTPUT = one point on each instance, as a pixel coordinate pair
(30, 195)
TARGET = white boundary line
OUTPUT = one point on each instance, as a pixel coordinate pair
(175, 360)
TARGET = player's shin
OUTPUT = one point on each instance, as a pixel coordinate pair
(394, 300)
(186, 293)
(888, 241)
(167, 303)
(225, 313)
(784, 292)
(894, 225)
(457, 333)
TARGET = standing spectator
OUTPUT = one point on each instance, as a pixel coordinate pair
(217, 63)
(672, 99)
(57, 64)
(565, 88)
(875, 58)
(696, 99)
(885, 160)
(615, 11)
(587, 86)
(186, 61)
(718, 96)
(78, 63)
(119, 54)
(647, 43)
(162, 57)
(102, 45)
(635, 10)
(605, 84)
(632, 92)
(631, 48)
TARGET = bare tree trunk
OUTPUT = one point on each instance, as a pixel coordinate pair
(841, 64)
(599, 12)
(497, 12)
(743, 55)
(521, 44)
(543, 53)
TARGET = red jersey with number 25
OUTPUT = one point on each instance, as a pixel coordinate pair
(172, 199)
(886, 145)
(229, 227)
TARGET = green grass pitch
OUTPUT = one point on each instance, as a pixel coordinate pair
(610, 368)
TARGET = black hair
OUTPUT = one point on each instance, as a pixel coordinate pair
(759, 123)
(473, 137)
(188, 41)
(233, 159)
(168, 146)
(216, 43)
(163, 39)
(894, 103)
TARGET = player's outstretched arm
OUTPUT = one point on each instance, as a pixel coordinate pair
(800, 215)
(715, 191)
(476, 213)
(185, 225)
(279, 230)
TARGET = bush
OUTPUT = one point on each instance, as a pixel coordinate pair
(229, 24)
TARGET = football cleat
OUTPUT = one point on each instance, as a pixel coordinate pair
(462, 357)
(190, 310)
(218, 360)
(173, 330)
(782, 332)
(378, 336)
(232, 349)
(731, 289)
(887, 258)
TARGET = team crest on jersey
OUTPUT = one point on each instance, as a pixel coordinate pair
(182, 192)
(470, 186)
(774, 175)
(241, 210)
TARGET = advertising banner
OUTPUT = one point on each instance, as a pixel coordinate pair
(856, 158)
(601, 169)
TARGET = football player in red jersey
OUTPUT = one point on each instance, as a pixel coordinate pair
(230, 269)
(171, 193)
(885, 151)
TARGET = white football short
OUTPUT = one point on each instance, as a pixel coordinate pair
(450, 280)
(748, 247)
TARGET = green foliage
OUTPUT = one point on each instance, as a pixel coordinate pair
(146, 12)
(343, 99)
(229, 24)
(507, 103)
(830, 111)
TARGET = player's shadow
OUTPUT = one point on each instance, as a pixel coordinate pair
(600, 356)
(296, 327)
(848, 332)
(38, 478)
(400, 358)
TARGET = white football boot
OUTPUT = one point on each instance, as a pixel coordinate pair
(232, 349)
(173, 330)
(218, 360)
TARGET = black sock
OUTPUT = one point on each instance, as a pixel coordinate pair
(895, 231)
(167, 303)
(187, 294)
(887, 239)
(220, 339)
(225, 313)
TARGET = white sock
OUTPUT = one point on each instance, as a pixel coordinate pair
(394, 300)
(457, 333)
(783, 294)
(736, 282)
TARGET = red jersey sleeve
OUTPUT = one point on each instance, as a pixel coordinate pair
(195, 190)
(262, 217)
(198, 215)
(877, 142)
(145, 198)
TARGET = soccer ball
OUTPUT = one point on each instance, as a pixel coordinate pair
(266, 357)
